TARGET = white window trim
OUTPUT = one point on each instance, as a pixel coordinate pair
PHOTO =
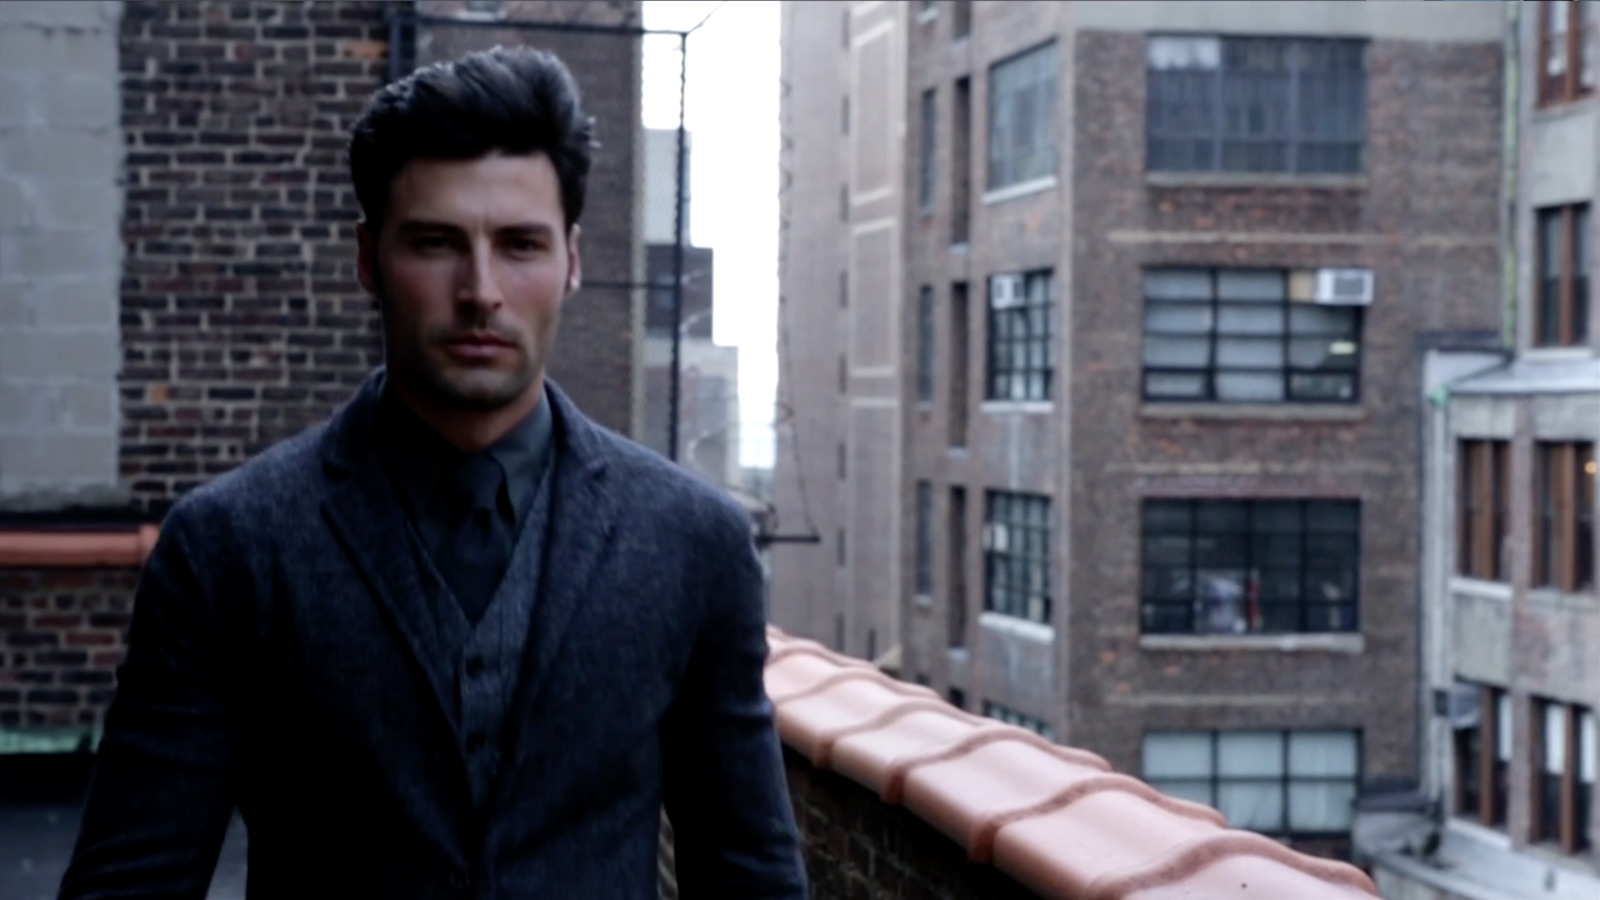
(1020, 189)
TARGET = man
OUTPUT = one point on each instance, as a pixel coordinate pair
(457, 641)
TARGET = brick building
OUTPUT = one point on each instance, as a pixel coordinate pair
(1152, 354)
(177, 268)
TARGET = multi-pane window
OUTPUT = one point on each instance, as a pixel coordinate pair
(1481, 721)
(1566, 51)
(1235, 336)
(959, 348)
(1565, 774)
(929, 149)
(1022, 100)
(1016, 556)
(925, 344)
(1250, 566)
(1563, 545)
(924, 549)
(1255, 104)
(1287, 783)
(1483, 504)
(1021, 336)
(1561, 315)
(961, 162)
(956, 621)
(1021, 720)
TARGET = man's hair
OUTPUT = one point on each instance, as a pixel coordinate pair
(515, 101)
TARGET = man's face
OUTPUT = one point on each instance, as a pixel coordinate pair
(470, 267)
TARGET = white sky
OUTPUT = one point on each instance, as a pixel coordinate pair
(732, 115)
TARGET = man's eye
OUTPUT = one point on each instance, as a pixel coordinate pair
(429, 243)
(523, 246)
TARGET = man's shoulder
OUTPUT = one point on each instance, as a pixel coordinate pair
(278, 476)
(656, 486)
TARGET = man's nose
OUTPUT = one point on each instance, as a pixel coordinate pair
(477, 282)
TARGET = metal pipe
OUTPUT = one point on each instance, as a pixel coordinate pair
(677, 252)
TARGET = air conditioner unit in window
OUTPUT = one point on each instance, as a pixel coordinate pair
(996, 537)
(1344, 287)
(1006, 291)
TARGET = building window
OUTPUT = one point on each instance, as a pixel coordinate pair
(1480, 718)
(482, 10)
(924, 549)
(1563, 549)
(961, 163)
(1236, 336)
(842, 454)
(1566, 51)
(844, 374)
(925, 344)
(1562, 314)
(839, 548)
(929, 150)
(844, 114)
(1296, 784)
(1483, 503)
(1255, 104)
(1021, 336)
(961, 27)
(1021, 720)
(1250, 566)
(959, 349)
(1016, 556)
(1022, 100)
(1564, 786)
(956, 623)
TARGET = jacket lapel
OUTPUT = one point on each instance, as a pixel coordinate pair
(366, 517)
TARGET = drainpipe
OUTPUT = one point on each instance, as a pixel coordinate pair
(1511, 157)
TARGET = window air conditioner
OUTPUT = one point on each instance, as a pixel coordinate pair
(1344, 287)
(1005, 291)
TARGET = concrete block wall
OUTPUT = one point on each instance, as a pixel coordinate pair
(61, 145)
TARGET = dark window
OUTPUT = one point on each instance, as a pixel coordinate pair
(924, 548)
(841, 460)
(1250, 566)
(1564, 785)
(1022, 99)
(1566, 51)
(1021, 720)
(1483, 504)
(925, 344)
(844, 374)
(959, 350)
(844, 114)
(844, 289)
(1252, 104)
(957, 612)
(1016, 556)
(1563, 546)
(929, 150)
(1482, 729)
(1234, 336)
(1283, 783)
(839, 549)
(958, 698)
(1021, 336)
(962, 25)
(1562, 314)
(961, 163)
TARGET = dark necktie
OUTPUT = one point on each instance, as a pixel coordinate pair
(477, 543)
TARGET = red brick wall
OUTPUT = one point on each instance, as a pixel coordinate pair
(858, 847)
(62, 634)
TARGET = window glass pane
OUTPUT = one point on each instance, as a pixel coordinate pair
(1168, 516)
(1322, 753)
(1555, 739)
(1333, 321)
(1502, 730)
(1250, 319)
(1249, 387)
(1333, 516)
(1165, 53)
(1177, 284)
(1177, 352)
(1166, 385)
(1257, 806)
(1587, 748)
(1321, 807)
(1253, 353)
(1249, 754)
(1197, 791)
(1177, 754)
(1170, 317)
(1257, 285)
(1322, 387)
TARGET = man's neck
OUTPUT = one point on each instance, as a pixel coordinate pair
(470, 430)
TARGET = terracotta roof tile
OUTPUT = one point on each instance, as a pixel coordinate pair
(1055, 818)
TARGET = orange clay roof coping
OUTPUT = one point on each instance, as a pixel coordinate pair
(1056, 819)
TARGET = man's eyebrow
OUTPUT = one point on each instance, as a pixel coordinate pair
(426, 225)
(529, 228)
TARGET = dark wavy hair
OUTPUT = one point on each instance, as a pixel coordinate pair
(514, 100)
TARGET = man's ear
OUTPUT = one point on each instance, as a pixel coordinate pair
(367, 258)
(574, 259)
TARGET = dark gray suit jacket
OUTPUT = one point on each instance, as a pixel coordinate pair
(283, 660)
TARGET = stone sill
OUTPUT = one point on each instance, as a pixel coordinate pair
(1019, 190)
(76, 550)
(1266, 412)
(1484, 590)
(1024, 407)
(1279, 643)
(1252, 180)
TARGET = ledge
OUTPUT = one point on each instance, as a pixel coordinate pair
(1281, 643)
(1022, 407)
(1266, 412)
(1484, 590)
(76, 550)
(1055, 819)
(1020, 189)
(1252, 180)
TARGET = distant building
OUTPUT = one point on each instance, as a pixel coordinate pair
(1105, 325)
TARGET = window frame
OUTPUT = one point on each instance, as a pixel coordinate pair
(1286, 780)
(1222, 86)
(1007, 121)
(1563, 516)
(927, 183)
(1248, 607)
(1215, 307)
(1018, 581)
(1028, 329)
(1576, 47)
(1482, 755)
(1483, 508)
(1559, 807)
(926, 327)
(1562, 299)
(922, 553)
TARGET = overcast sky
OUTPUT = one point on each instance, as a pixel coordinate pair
(732, 114)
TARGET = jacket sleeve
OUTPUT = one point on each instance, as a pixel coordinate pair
(733, 827)
(161, 795)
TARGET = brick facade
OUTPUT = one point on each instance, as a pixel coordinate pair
(64, 635)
